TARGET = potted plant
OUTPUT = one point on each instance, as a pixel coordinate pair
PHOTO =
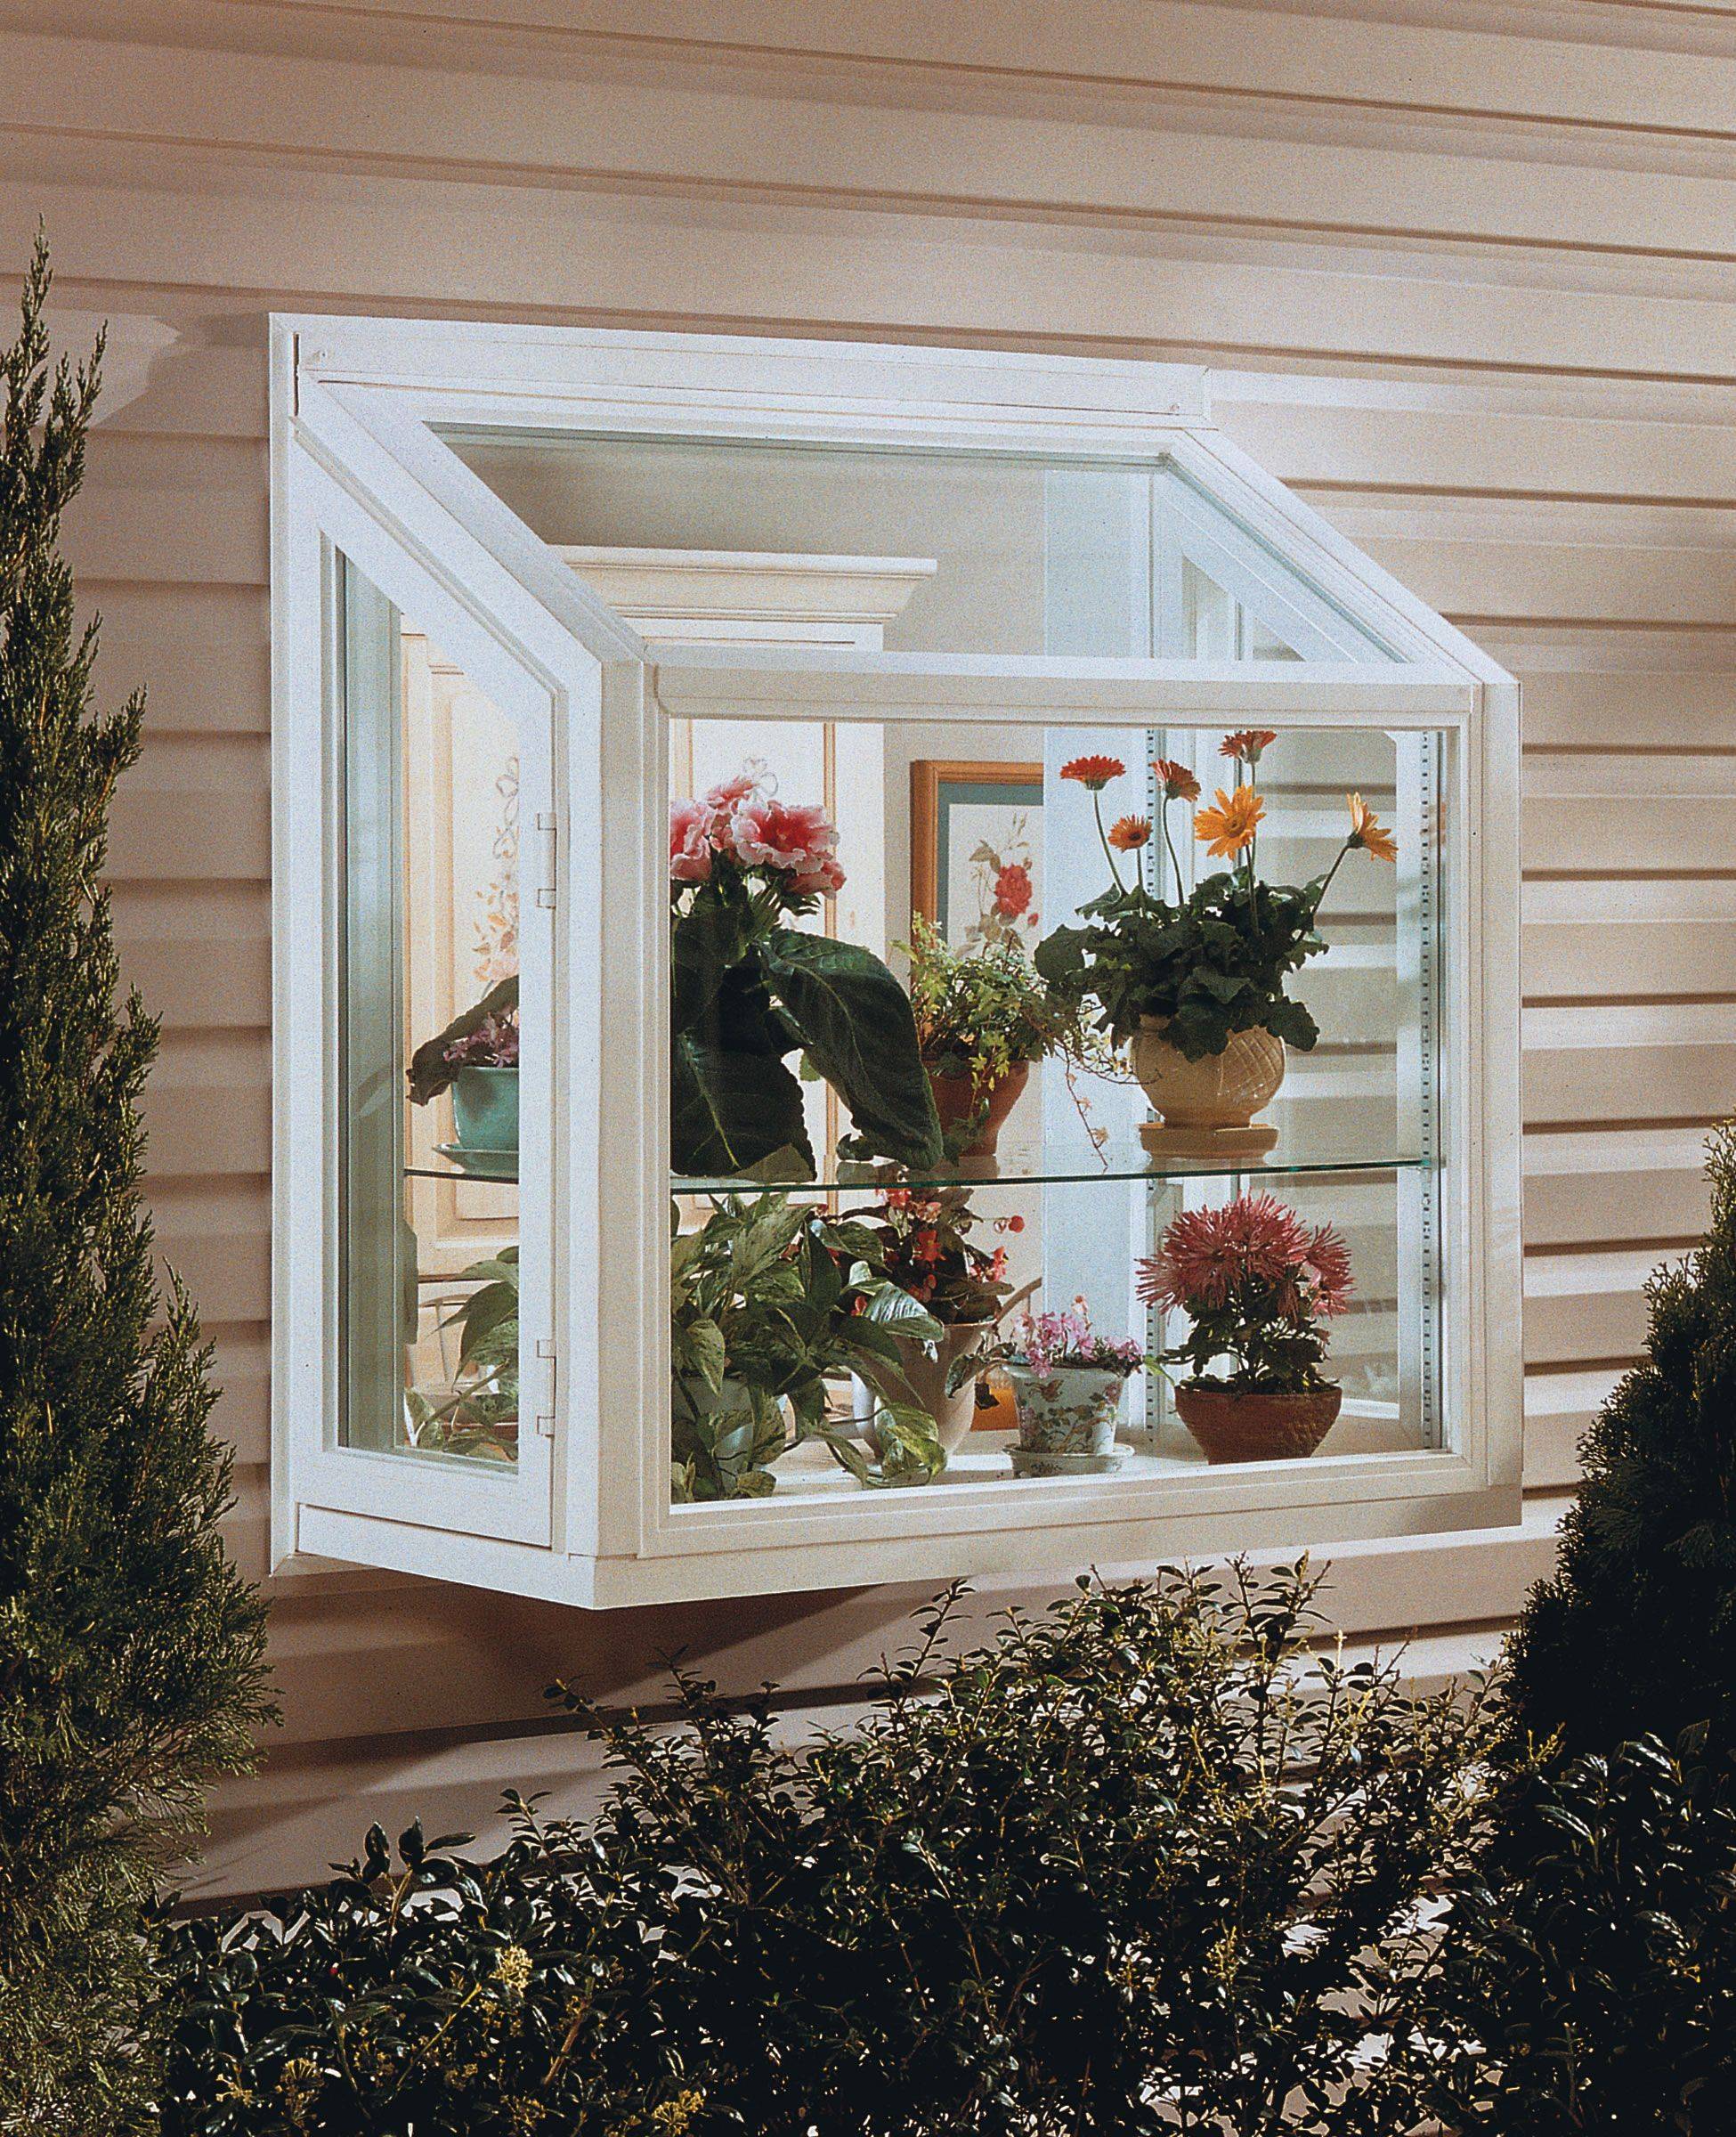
(771, 1300)
(924, 1249)
(983, 1016)
(477, 1057)
(1067, 1381)
(1257, 1286)
(747, 990)
(1196, 988)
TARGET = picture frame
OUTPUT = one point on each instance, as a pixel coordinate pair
(976, 836)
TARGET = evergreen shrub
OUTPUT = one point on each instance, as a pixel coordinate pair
(130, 1648)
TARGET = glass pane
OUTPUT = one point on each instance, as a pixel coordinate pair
(430, 1047)
(1018, 553)
(828, 880)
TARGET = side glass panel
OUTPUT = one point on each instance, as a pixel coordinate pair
(864, 920)
(429, 1047)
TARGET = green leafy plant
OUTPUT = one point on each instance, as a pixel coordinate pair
(1147, 1862)
(432, 1993)
(770, 1300)
(131, 1649)
(923, 1242)
(1216, 961)
(979, 1012)
(480, 1416)
(1632, 1634)
(747, 991)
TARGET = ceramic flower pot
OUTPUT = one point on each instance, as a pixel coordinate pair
(1247, 1424)
(1207, 1109)
(954, 1414)
(957, 1099)
(485, 1108)
(1066, 1420)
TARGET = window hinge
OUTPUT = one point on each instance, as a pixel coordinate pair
(545, 827)
(546, 1418)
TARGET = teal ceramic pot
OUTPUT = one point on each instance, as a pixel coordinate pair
(485, 1108)
(1066, 1420)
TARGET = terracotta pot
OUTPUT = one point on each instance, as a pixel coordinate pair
(1066, 1420)
(958, 1097)
(954, 1414)
(1250, 1425)
(1207, 1108)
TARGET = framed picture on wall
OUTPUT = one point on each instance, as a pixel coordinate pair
(976, 850)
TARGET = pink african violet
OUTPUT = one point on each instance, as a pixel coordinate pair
(493, 1045)
(1045, 1343)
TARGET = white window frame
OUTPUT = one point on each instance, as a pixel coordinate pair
(357, 459)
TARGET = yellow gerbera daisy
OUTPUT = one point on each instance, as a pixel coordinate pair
(1367, 832)
(1229, 827)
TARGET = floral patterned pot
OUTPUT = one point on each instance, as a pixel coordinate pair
(1066, 1420)
(1207, 1108)
(1248, 1426)
(485, 1108)
(954, 1414)
(958, 1097)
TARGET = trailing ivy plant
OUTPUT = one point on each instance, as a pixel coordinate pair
(770, 1299)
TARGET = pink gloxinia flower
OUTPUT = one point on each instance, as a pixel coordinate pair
(796, 838)
(689, 841)
(722, 801)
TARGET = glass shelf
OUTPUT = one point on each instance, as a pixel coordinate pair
(1015, 1164)
(1035, 1165)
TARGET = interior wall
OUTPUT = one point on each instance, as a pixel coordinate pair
(1464, 276)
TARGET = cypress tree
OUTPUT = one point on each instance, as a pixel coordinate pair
(131, 1650)
(1636, 1632)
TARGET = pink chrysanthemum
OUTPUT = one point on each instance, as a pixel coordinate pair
(1208, 1256)
(1327, 1270)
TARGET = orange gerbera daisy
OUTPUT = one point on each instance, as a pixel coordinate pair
(1367, 832)
(1178, 782)
(1231, 826)
(1127, 834)
(1093, 772)
(1248, 744)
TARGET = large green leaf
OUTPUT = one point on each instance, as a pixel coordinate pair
(731, 1111)
(705, 945)
(858, 1028)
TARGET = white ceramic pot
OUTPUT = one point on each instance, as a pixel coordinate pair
(1209, 1105)
(1066, 1420)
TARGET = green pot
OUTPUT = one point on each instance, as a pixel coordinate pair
(485, 1108)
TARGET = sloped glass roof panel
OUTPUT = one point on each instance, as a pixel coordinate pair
(1010, 552)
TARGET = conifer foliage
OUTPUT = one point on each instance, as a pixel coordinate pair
(1636, 1632)
(131, 1650)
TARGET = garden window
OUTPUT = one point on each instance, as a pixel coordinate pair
(890, 963)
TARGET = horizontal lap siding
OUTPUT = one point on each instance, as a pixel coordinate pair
(1467, 288)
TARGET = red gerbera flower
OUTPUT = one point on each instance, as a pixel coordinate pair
(1177, 781)
(1248, 744)
(1093, 772)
